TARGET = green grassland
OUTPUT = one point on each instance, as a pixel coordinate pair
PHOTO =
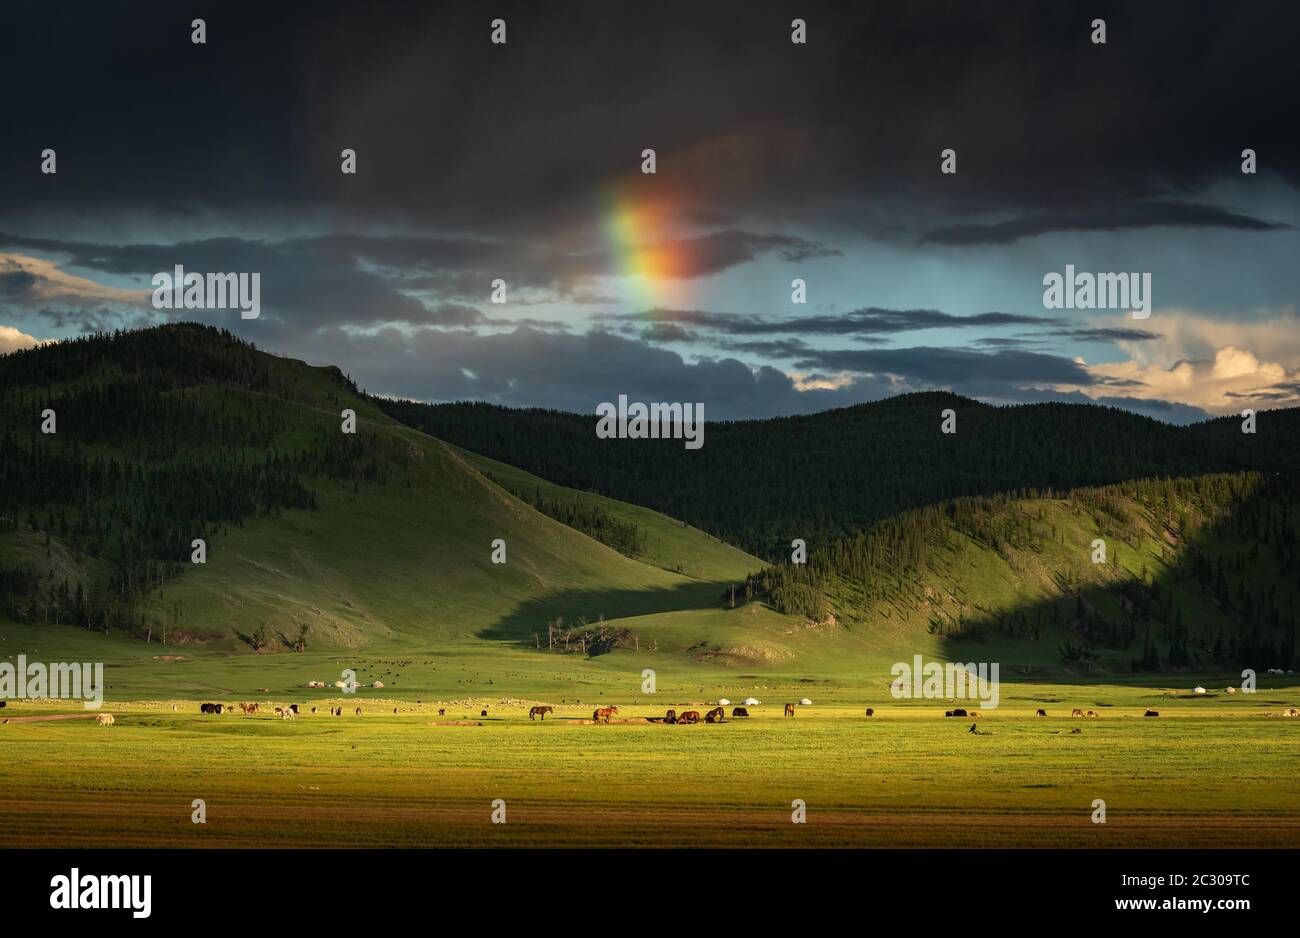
(1207, 773)
(393, 578)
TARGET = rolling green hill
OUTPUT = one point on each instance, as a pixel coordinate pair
(377, 539)
(325, 546)
(759, 484)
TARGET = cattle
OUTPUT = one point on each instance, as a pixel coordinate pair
(442, 713)
(1151, 713)
(871, 712)
(252, 708)
(959, 713)
(279, 711)
(3, 704)
(789, 709)
(294, 708)
(690, 716)
(358, 711)
(286, 714)
(1292, 712)
(714, 716)
(207, 708)
(739, 712)
(173, 708)
(1041, 713)
(975, 713)
(313, 711)
(1230, 689)
(1076, 713)
(482, 713)
(670, 716)
(104, 719)
(1092, 713)
(599, 716)
(540, 712)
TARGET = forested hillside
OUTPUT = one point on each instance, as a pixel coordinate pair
(313, 535)
(759, 484)
(1147, 574)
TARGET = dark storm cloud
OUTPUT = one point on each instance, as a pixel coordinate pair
(978, 374)
(666, 332)
(452, 131)
(359, 279)
(1114, 218)
(865, 322)
(530, 368)
(1114, 334)
(15, 283)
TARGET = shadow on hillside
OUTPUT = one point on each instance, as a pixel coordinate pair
(1226, 599)
(527, 625)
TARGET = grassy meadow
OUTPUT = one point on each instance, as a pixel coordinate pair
(1211, 771)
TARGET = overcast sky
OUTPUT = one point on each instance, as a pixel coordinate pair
(775, 161)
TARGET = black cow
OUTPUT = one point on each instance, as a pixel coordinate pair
(739, 712)
(871, 712)
(207, 708)
(1151, 713)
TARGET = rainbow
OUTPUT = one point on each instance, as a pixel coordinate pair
(652, 263)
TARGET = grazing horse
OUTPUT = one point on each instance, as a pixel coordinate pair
(714, 716)
(1151, 713)
(690, 716)
(286, 714)
(670, 716)
(252, 708)
(739, 712)
(789, 710)
(1077, 713)
(871, 712)
(358, 711)
(1092, 713)
(540, 712)
(603, 714)
(104, 719)
(1042, 713)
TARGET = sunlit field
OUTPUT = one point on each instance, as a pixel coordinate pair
(1207, 772)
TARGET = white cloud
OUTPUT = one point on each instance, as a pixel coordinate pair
(11, 340)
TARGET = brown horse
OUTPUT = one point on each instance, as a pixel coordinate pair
(715, 715)
(670, 716)
(603, 714)
(690, 716)
(540, 712)
(1077, 713)
(789, 710)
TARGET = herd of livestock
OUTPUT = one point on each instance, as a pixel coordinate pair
(600, 715)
